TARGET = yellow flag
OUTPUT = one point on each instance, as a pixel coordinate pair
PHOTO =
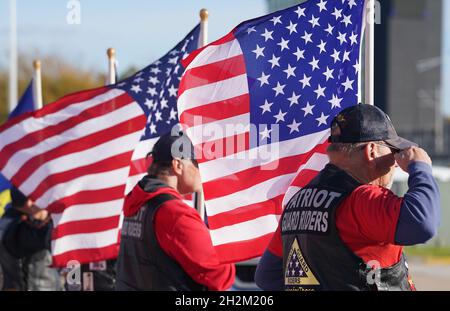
(5, 199)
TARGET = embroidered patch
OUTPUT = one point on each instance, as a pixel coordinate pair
(297, 271)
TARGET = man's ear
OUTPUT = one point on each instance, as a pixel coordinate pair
(370, 152)
(177, 166)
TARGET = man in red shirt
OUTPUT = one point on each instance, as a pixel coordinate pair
(346, 230)
(165, 245)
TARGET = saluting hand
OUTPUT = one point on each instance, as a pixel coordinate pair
(413, 154)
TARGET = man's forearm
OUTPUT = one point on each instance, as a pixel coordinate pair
(420, 211)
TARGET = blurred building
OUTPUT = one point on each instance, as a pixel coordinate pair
(410, 79)
(413, 77)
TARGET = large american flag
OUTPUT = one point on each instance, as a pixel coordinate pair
(79, 155)
(258, 104)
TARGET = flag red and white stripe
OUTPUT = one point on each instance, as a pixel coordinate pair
(73, 157)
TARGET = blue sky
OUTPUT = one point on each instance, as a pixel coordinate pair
(140, 30)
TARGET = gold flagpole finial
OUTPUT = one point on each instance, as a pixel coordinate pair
(111, 52)
(204, 14)
(37, 64)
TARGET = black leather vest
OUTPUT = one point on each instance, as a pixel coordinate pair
(315, 257)
(142, 264)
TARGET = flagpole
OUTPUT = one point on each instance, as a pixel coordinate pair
(13, 82)
(111, 79)
(37, 84)
(111, 66)
(203, 41)
(204, 15)
(369, 82)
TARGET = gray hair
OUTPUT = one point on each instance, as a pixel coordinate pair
(347, 147)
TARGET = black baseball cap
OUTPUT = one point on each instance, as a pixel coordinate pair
(171, 146)
(366, 123)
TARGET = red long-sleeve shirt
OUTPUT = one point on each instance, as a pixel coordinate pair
(183, 236)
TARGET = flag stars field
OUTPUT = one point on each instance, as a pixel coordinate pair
(336, 56)
(321, 46)
(284, 44)
(329, 74)
(276, 20)
(322, 119)
(300, 12)
(314, 64)
(280, 117)
(332, 35)
(307, 37)
(136, 89)
(265, 134)
(164, 103)
(354, 38)
(300, 54)
(305, 81)
(274, 61)
(259, 51)
(347, 20)
(348, 84)
(320, 91)
(292, 28)
(266, 107)
(173, 91)
(267, 35)
(290, 71)
(314, 21)
(279, 89)
(294, 126)
(357, 67)
(346, 57)
(308, 109)
(322, 6)
(250, 30)
(149, 104)
(293, 100)
(264, 79)
(329, 29)
(342, 38)
(337, 13)
(335, 102)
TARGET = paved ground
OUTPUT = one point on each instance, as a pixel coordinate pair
(430, 276)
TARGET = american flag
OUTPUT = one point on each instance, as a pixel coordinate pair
(79, 155)
(258, 104)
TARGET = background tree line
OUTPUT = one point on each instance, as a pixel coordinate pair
(59, 78)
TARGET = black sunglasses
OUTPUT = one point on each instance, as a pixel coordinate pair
(393, 149)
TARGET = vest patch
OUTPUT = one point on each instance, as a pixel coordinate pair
(133, 226)
(297, 272)
(308, 211)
